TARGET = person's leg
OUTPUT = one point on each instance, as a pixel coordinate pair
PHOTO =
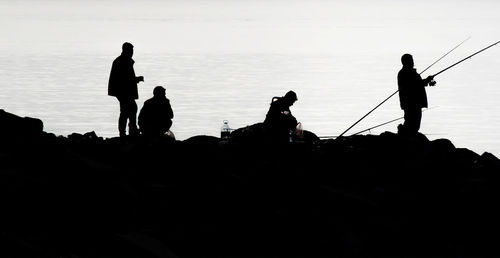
(169, 124)
(122, 120)
(418, 119)
(412, 120)
(132, 116)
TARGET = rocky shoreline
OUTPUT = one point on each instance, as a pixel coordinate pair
(367, 195)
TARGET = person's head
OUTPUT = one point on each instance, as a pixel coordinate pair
(407, 60)
(127, 49)
(159, 91)
(290, 97)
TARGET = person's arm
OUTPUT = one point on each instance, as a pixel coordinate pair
(137, 78)
(170, 112)
(429, 81)
(142, 117)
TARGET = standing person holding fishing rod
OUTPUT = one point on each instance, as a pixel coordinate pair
(412, 95)
(449, 67)
(369, 112)
(414, 118)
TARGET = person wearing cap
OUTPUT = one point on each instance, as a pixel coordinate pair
(123, 85)
(279, 119)
(155, 117)
(412, 95)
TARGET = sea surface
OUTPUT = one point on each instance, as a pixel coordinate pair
(225, 60)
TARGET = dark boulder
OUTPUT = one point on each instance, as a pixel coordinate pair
(13, 126)
(364, 195)
(259, 134)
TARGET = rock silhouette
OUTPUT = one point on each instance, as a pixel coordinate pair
(19, 127)
(366, 195)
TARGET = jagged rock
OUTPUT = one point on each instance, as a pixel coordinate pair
(365, 195)
(203, 140)
(489, 162)
(255, 133)
(442, 145)
(19, 127)
(258, 134)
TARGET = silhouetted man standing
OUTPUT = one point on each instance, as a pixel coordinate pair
(279, 120)
(412, 96)
(155, 118)
(123, 85)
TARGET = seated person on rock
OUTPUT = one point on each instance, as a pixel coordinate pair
(279, 120)
(155, 118)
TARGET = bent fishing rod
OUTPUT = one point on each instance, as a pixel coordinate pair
(398, 89)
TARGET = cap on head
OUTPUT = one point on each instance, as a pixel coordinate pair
(159, 91)
(291, 96)
(407, 60)
(127, 46)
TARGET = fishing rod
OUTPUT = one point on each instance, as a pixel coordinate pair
(398, 89)
(373, 127)
(388, 122)
(369, 129)
(465, 58)
(444, 55)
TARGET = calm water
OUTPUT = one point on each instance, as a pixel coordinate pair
(225, 60)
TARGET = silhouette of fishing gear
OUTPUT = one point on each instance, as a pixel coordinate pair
(371, 128)
(432, 82)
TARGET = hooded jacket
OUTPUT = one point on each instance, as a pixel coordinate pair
(279, 116)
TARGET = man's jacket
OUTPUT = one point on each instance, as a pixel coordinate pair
(122, 79)
(411, 89)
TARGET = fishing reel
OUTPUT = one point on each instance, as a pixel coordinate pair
(432, 83)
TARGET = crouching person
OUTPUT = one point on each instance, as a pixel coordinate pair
(279, 122)
(155, 117)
